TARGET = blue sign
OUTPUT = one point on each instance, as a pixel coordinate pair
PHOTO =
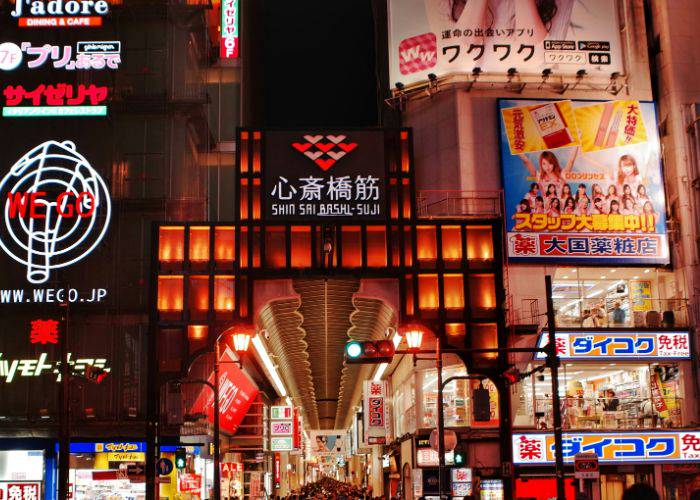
(164, 466)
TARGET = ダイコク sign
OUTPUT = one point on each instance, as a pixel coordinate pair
(60, 13)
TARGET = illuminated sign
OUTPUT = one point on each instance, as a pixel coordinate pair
(281, 443)
(282, 428)
(616, 344)
(35, 367)
(91, 55)
(229, 29)
(617, 447)
(375, 412)
(44, 331)
(62, 99)
(20, 490)
(325, 175)
(57, 209)
(59, 13)
(281, 412)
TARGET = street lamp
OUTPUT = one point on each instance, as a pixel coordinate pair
(414, 336)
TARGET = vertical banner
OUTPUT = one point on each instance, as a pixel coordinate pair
(374, 405)
(583, 182)
(230, 16)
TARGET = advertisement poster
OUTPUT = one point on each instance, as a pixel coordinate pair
(446, 37)
(236, 394)
(583, 182)
(374, 410)
(324, 443)
(640, 293)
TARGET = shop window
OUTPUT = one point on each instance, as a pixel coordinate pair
(428, 291)
(224, 293)
(171, 244)
(199, 244)
(376, 246)
(455, 398)
(275, 247)
(170, 293)
(198, 297)
(301, 246)
(405, 406)
(451, 244)
(427, 244)
(352, 246)
(479, 243)
(224, 245)
(454, 291)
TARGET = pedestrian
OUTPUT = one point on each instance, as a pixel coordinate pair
(640, 491)
(618, 313)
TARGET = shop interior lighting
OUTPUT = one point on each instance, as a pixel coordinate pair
(265, 357)
(647, 271)
(614, 285)
(613, 270)
(602, 277)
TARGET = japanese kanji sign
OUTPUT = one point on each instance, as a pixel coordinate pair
(20, 490)
(618, 447)
(435, 36)
(375, 412)
(324, 174)
(583, 182)
(612, 344)
(229, 29)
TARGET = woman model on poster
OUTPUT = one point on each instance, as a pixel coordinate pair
(550, 171)
(539, 19)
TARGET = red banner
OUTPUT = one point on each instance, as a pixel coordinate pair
(236, 394)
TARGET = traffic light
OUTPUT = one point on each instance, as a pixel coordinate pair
(512, 375)
(95, 374)
(482, 404)
(378, 351)
(180, 458)
(460, 455)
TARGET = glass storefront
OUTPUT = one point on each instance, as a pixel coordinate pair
(617, 298)
(102, 470)
(21, 474)
(604, 396)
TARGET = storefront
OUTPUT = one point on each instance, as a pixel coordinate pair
(193, 482)
(109, 470)
(26, 474)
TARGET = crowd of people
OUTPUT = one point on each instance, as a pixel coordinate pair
(328, 488)
(626, 194)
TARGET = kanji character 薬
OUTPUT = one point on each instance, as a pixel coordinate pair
(44, 331)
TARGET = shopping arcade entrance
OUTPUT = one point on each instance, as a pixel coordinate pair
(444, 273)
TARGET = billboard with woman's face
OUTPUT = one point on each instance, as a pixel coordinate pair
(583, 182)
(454, 36)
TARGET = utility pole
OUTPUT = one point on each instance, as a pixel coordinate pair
(553, 362)
(440, 419)
(217, 437)
(64, 410)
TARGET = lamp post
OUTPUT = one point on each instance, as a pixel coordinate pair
(240, 337)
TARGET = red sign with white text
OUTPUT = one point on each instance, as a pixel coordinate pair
(20, 490)
(236, 394)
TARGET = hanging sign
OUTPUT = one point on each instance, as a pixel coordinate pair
(375, 411)
(230, 15)
(618, 345)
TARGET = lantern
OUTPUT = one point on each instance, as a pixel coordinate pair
(414, 336)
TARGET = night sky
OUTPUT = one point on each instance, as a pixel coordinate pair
(319, 59)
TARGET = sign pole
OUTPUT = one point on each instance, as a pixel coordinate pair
(217, 456)
(553, 362)
(440, 418)
(64, 436)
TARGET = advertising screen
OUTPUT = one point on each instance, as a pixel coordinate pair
(583, 182)
(448, 36)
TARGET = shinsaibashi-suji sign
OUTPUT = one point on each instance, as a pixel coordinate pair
(324, 174)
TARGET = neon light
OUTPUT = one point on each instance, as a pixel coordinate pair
(60, 13)
(260, 348)
(229, 29)
(49, 242)
(52, 111)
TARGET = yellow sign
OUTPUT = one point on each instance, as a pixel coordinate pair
(610, 124)
(136, 456)
(548, 125)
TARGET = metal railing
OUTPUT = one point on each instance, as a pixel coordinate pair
(629, 413)
(453, 203)
(579, 312)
